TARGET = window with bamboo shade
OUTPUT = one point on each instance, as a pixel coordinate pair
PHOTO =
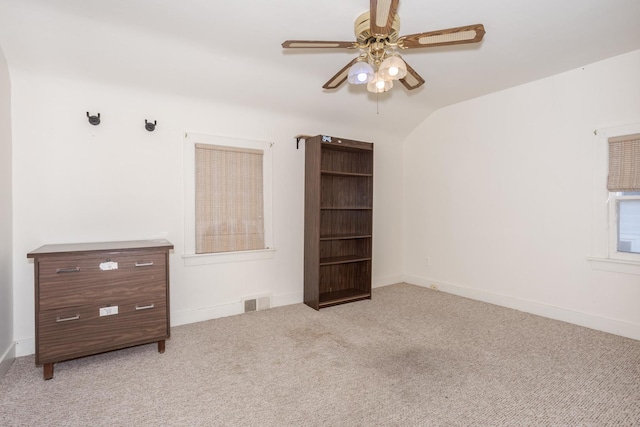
(229, 201)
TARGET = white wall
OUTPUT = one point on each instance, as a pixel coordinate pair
(501, 197)
(7, 349)
(75, 182)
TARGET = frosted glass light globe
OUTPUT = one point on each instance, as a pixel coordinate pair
(379, 85)
(393, 68)
(360, 73)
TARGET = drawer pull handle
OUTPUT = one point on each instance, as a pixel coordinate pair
(144, 307)
(66, 319)
(144, 264)
(68, 270)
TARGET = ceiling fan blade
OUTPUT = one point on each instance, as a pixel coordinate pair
(459, 35)
(306, 44)
(381, 14)
(340, 77)
(412, 80)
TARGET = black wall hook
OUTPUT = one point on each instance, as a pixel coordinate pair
(150, 126)
(94, 120)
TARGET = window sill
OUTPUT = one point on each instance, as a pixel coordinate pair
(225, 257)
(615, 265)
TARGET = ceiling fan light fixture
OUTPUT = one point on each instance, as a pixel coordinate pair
(378, 40)
(361, 73)
(379, 85)
(393, 68)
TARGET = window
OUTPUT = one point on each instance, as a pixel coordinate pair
(623, 182)
(616, 200)
(227, 199)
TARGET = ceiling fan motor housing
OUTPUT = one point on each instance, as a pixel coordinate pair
(363, 33)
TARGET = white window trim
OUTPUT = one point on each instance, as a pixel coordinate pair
(613, 232)
(189, 256)
(605, 255)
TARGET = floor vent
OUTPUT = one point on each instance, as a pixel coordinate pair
(257, 303)
(249, 305)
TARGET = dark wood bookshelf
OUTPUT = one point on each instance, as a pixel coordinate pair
(338, 221)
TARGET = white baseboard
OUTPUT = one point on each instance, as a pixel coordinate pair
(287, 299)
(592, 321)
(223, 310)
(378, 282)
(25, 347)
(231, 309)
(6, 359)
(207, 313)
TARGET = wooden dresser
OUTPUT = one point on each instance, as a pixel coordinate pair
(97, 297)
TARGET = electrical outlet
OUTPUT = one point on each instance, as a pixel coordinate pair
(434, 287)
(427, 260)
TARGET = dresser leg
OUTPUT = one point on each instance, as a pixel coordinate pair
(161, 346)
(47, 371)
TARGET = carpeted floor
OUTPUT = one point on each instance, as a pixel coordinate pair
(409, 357)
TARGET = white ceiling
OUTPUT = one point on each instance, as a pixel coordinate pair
(230, 51)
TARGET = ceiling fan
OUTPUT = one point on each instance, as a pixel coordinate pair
(379, 64)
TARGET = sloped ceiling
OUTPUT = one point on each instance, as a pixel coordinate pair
(230, 51)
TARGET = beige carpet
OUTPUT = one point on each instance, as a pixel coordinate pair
(408, 357)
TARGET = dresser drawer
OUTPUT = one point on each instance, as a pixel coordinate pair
(72, 269)
(72, 332)
(80, 280)
(92, 293)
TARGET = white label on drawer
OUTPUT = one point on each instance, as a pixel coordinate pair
(109, 265)
(109, 311)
